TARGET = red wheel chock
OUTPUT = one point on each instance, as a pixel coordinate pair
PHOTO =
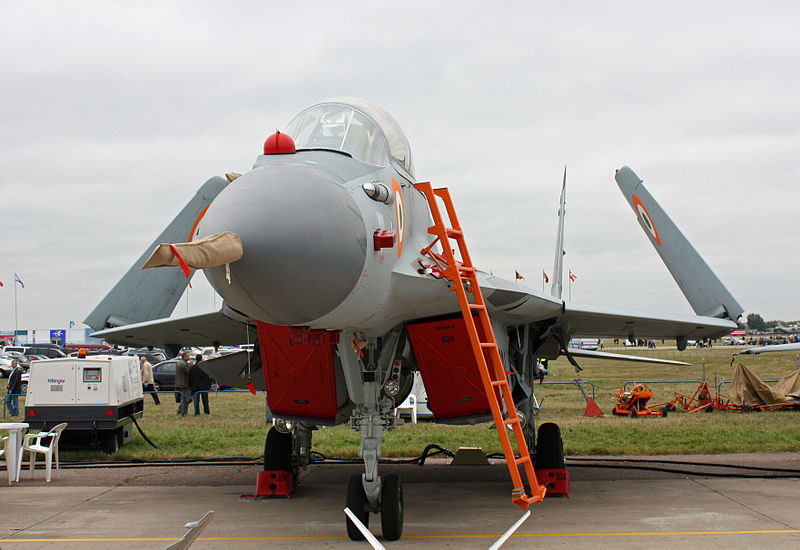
(274, 483)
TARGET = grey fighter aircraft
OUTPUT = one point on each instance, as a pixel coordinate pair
(317, 253)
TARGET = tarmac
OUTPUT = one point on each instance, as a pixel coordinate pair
(446, 506)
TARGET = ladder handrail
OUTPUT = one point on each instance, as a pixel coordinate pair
(487, 354)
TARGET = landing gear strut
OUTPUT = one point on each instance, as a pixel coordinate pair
(373, 413)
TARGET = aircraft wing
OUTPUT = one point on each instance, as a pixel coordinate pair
(603, 321)
(592, 354)
(766, 349)
(219, 327)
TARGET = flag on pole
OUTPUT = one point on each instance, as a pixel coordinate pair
(518, 276)
(18, 280)
(572, 276)
(545, 277)
(1, 283)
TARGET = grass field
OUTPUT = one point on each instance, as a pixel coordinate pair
(236, 425)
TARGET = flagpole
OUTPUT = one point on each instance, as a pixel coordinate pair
(16, 327)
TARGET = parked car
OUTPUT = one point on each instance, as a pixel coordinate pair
(48, 350)
(164, 375)
(26, 376)
(91, 349)
(5, 363)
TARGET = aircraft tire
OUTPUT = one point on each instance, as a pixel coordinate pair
(278, 451)
(549, 448)
(357, 502)
(392, 507)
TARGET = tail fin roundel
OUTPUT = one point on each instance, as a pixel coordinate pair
(702, 288)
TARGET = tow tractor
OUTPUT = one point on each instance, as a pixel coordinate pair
(633, 402)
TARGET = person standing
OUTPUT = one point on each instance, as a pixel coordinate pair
(182, 382)
(200, 383)
(14, 388)
(148, 384)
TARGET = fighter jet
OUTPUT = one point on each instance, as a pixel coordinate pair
(325, 256)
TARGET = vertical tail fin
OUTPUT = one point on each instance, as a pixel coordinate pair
(558, 262)
(152, 294)
(702, 288)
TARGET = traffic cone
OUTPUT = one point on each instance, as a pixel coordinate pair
(592, 409)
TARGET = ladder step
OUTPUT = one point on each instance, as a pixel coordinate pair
(488, 344)
(453, 232)
(522, 460)
(466, 269)
(477, 306)
(496, 383)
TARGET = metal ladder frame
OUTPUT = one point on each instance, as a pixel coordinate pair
(490, 364)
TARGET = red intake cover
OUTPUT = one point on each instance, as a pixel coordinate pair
(449, 369)
(299, 376)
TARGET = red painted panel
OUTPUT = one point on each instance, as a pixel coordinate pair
(448, 369)
(298, 375)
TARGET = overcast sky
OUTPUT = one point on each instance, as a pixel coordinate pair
(113, 115)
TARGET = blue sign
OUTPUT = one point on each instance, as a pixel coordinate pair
(58, 337)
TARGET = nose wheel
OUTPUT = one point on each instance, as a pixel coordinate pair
(391, 507)
(357, 502)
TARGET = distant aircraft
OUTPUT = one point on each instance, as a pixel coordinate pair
(318, 254)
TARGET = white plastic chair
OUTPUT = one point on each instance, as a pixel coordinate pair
(3, 453)
(410, 404)
(33, 444)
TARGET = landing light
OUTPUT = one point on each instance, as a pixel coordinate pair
(282, 425)
(391, 388)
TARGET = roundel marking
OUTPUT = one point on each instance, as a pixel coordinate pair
(197, 222)
(644, 215)
(399, 209)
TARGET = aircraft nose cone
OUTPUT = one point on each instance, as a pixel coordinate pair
(304, 243)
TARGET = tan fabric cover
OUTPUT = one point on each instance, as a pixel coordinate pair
(748, 389)
(211, 251)
(789, 386)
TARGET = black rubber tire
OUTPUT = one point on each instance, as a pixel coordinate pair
(110, 441)
(634, 413)
(671, 407)
(392, 507)
(278, 451)
(357, 502)
(709, 409)
(664, 412)
(549, 448)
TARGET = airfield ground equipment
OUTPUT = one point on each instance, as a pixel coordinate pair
(98, 396)
(463, 275)
(633, 402)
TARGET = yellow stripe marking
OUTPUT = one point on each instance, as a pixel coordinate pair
(453, 536)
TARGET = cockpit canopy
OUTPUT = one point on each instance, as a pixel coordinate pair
(353, 126)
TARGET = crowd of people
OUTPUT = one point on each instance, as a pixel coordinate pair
(191, 383)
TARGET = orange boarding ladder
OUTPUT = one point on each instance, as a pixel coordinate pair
(493, 374)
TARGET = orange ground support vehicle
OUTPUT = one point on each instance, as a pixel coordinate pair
(633, 402)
